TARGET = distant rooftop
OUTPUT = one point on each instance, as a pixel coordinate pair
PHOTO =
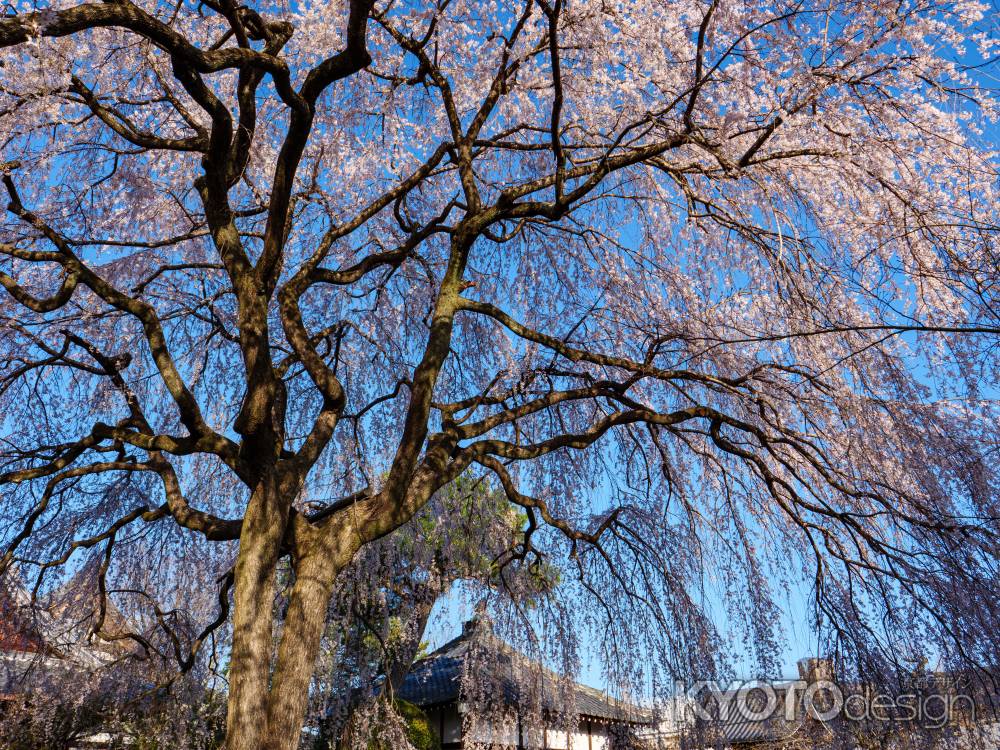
(437, 679)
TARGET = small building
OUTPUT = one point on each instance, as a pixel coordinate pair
(45, 652)
(515, 703)
(932, 711)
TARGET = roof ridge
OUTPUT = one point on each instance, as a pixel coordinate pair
(432, 680)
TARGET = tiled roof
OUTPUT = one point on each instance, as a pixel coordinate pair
(437, 679)
(748, 731)
(60, 625)
(17, 632)
(735, 726)
(736, 730)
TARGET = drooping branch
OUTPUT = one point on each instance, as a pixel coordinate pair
(189, 411)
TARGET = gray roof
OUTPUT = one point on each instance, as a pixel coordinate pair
(750, 731)
(732, 726)
(437, 679)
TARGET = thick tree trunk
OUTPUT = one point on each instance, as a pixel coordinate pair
(315, 574)
(253, 599)
(267, 707)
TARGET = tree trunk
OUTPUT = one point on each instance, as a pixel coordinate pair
(398, 668)
(315, 574)
(267, 708)
(253, 601)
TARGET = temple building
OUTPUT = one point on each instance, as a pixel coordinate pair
(513, 702)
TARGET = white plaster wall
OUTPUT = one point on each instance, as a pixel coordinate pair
(597, 740)
(580, 739)
(452, 725)
(558, 740)
(532, 737)
(503, 732)
(600, 737)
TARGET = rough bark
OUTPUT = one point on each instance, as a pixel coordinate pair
(315, 573)
(249, 674)
(269, 694)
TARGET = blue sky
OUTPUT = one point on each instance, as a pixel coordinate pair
(799, 638)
